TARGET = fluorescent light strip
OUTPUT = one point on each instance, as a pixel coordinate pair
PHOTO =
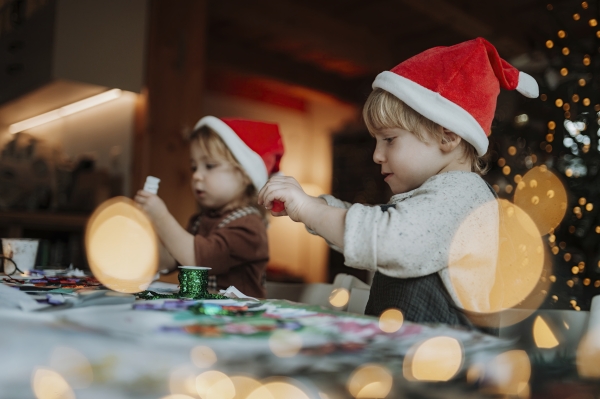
(64, 111)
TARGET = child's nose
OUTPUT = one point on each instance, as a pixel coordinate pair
(197, 175)
(378, 156)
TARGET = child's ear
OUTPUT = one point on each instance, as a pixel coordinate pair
(450, 141)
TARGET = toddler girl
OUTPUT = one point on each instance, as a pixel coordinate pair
(231, 159)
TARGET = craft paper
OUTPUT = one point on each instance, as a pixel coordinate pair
(14, 298)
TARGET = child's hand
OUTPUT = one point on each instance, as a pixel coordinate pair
(154, 207)
(287, 190)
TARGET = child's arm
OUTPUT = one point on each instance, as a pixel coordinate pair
(175, 238)
(325, 220)
(166, 261)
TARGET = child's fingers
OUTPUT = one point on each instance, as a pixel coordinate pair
(144, 194)
(139, 199)
(276, 193)
(261, 193)
(264, 192)
(282, 213)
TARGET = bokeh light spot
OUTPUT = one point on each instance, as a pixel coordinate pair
(544, 198)
(284, 388)
(213, 384)
(436, 359)
(588, 353)
(73, 365)
(391, 320)
(503, 268)
(509, 373)
(203, 356)
(339, 297)
(48, 384)
(244, 385)
(543, 335)
(122, 248)
(285, 343)
(182, 380)
(370, 381)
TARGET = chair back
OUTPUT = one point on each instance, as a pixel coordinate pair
(316, 294)
(566, 326)
(290, 291)
(358, 300)
(319, 293)
(348, 281)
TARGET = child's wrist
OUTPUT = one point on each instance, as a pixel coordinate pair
(162, 218)
(309, 209)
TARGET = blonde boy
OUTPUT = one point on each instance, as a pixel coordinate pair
(430, 117)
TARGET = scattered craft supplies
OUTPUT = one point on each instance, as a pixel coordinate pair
(51, 283)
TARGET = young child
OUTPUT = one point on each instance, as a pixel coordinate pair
(430, 117)
(231, 160)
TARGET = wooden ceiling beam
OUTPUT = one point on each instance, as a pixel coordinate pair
(465, 24)
(252, 59)
(307, 35)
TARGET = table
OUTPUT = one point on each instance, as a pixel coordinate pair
(125, 351)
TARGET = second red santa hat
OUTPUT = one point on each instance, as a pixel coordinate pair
(457, 87)
(257, 146)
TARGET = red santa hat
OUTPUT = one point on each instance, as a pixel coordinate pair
(457, 86)
(257, 146)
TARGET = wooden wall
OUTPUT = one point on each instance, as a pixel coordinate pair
(170, 104)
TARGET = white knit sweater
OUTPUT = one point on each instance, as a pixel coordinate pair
(418, 236)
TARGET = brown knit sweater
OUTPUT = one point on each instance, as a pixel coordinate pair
(237, 251)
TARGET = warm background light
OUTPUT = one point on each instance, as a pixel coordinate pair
(551, 205)
(203, 356)
(122, 248)
(588, 354)
(244, 386)
(286, 388)
(508, 374)
(520, 261)
(73, 365)
(339, 297)
(285, 343)
(182, 380)
(437, 359)
(48, 384)
(370, 381)
(391, 320)
(543, 335)
(214, 385)
(65, 111)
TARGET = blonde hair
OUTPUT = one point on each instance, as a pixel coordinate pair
(211, 143)
(386, 111)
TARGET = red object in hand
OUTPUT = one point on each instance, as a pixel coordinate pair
(278, 206)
